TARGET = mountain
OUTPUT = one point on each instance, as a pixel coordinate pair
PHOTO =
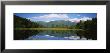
(57, 23)
(20, 22)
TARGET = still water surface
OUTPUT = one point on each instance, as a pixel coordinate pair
(54, 35)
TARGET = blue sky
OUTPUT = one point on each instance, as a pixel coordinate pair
(57, 16)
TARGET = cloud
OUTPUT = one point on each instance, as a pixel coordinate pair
(53, 17)
(49, 17)
(78, 19)
(49, 21)
(86, 18)
(78, 15)
(74, 20)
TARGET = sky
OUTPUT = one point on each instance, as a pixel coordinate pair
(47, 17)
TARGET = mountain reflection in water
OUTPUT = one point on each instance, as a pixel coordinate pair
(54, 35)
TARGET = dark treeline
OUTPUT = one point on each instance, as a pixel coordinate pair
(24, 23)
(87, 25)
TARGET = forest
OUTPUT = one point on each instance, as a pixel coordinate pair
(20, 22)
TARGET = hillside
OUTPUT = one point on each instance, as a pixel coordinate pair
(26, 23)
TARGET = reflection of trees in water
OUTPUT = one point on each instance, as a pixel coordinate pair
(22, 34)
(58, 33)
(89, 34)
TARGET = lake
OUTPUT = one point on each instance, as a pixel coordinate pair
(55, 35)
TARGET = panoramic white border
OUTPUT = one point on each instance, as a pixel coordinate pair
(100, 43)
